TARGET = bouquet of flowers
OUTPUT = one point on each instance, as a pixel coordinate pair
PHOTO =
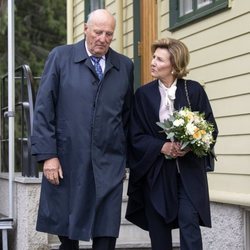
(190, 129)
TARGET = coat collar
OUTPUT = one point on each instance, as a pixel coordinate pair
(180, 96)
(80, 54)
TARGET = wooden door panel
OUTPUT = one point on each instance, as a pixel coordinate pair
(148, 20)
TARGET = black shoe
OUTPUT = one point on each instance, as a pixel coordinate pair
(68, 244)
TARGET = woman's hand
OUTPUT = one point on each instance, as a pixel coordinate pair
(177, 151)
(167, 148)
(173, 149)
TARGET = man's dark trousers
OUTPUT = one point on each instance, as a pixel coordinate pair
(99, 243)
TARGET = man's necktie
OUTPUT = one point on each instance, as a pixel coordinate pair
(97, 65)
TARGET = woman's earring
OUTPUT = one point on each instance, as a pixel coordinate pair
(172, 72)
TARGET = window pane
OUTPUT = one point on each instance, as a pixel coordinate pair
(96, 4)
(202, 3)
(183, 12)
(186, 6)
(90, 5)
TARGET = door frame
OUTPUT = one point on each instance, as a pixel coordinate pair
(145, 33)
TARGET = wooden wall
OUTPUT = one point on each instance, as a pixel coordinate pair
(219, 46)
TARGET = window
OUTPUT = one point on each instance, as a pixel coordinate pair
(183, 12)
(185, 7)
(91, 5)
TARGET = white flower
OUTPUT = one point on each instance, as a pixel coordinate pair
(190, 128)
(182, 112)
(207, 138)
(178, 123)
(198, 120)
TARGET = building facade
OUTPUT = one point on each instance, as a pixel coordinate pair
(217, 33)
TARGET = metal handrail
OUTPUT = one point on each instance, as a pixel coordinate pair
(24, 105)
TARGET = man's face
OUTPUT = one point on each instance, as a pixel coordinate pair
(99, 35)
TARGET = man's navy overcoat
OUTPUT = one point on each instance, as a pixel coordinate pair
(83, 122)
(149, 167)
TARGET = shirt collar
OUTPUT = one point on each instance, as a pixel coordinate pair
(161, 84)
(88, 52)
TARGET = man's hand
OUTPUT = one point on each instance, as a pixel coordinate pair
(52, 170)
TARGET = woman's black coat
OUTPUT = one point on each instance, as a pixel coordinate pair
(148, 165)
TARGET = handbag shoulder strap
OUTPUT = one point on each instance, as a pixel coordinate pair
(187, 95)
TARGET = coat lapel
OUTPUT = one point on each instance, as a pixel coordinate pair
(111, 61)
(180, 95)
(81, 55)
(156, 99)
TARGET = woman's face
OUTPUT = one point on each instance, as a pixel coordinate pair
(161, 66)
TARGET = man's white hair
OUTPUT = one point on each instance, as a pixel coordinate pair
(97, 13)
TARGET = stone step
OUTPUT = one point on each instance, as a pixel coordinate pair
(118, 246)
(128, 246)
(129, 234)
(131, 237)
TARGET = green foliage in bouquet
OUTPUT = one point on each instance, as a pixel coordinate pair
(190, 129)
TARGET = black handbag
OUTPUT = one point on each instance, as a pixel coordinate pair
(211, 156)
(210, 161)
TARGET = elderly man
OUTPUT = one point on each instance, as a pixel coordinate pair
(80, 134)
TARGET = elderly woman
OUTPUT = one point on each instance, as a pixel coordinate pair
(167, 193)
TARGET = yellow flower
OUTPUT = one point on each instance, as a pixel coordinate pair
(190, 129)
(190, 116)
(197, 135)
